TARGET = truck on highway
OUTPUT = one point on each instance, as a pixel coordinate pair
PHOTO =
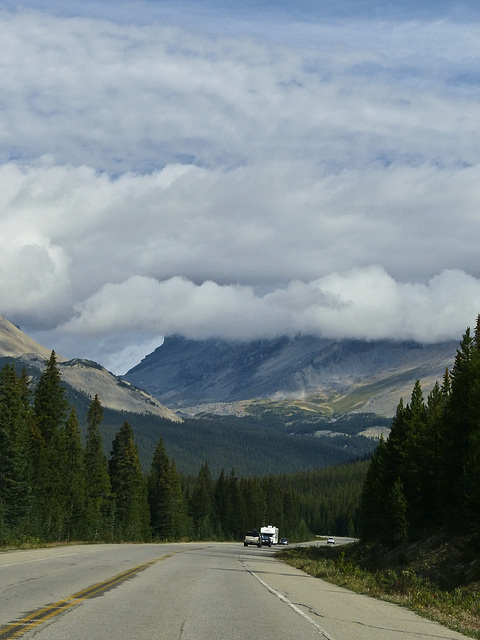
(271, 532)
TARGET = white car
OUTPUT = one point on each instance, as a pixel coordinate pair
(331, 541)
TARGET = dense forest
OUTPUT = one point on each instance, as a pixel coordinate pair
(56, 484)
(426, 476)
(269, 443)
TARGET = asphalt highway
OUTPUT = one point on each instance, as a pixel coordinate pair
(204, 591)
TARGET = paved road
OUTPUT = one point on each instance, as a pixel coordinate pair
(186, 592)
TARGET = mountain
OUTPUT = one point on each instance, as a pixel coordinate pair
(250, 445)
(308, 373)
(85, 376)
(15, 344)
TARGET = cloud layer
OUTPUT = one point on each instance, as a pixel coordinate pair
(222, 178)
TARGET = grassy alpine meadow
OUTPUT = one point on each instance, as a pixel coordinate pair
(457, 607)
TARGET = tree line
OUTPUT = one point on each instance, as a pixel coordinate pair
(426, 476)
(56, 485)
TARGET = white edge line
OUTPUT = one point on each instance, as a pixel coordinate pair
(290, 604)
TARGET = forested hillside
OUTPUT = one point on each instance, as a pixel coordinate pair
(426, 476)
(269, 443)
(56, 486)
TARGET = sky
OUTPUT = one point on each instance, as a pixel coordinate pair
(238, 170)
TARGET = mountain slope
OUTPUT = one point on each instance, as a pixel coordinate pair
(14, 343)
(324, 375)
(84, 376)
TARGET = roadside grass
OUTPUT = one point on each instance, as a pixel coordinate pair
(457, 609)
(12, 544)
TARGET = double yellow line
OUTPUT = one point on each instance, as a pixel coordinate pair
(20, 627)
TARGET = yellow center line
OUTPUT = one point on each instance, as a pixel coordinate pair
(27, 623)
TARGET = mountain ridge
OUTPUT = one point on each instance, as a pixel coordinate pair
(86, 376)
(333, 376)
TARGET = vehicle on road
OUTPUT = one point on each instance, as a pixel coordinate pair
(270, 531)
(252, 537)
(331, 541)
(266, 540)
(284, 541)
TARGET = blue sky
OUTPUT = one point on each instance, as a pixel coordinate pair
(238, 170)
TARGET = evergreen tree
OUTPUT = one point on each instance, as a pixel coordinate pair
(221, 496)
(168, 509)
(471, 470)
(201, 504)
(128, 488)
(14, 485)
(158, 491)
(50, 401)
(74, 480)
(428, 472)
(254, 503)
(99, 504)
(234, 508)
(412, 471)
(274, 503)
(50, 408)
(433, 463)
(373, 518)
(462, 413)
(397, 510)
(177, 524)
(37, 470)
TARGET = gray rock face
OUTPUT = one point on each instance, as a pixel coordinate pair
(182, 372)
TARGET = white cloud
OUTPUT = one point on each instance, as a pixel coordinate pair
(362, 303)
(157, 179)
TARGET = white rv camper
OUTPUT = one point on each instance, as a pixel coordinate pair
(271, 532)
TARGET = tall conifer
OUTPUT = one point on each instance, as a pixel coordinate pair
(14, 485)
(98, 499)
(128, 488)
(50, 401)
(50, 408)
(74, 480)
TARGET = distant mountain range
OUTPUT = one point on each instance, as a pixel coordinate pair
(85, 376)
(307, 373)
(251, 445)
(302, 374)
(304, 402)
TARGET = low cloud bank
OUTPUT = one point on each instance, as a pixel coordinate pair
(364, 303)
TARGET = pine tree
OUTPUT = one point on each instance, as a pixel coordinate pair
(178, 524)
(14, 421)
(128, 488)
(158, 491)
(99, 503)
(471, 470)
(201, 504)
(50, 408)
(413, 471)
(433, 463)
(274, 503)
(462, 412)
(374, 523)
(168, 508)
(221, 495)
(50, 401)
(74, 480)
(235, 515)
(397, 509)
(37, 471)
(292, 512)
